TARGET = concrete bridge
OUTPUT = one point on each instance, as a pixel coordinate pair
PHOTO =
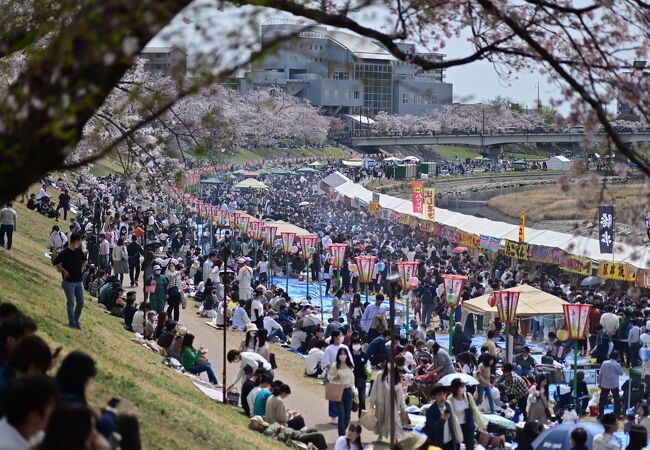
(484, 140)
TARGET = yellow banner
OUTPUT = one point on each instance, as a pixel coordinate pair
(616, 271)
(522, 225)
(405, 219)
(469, 240)
(429, 205)
(374, 208)
(576, 264)
(516, 250)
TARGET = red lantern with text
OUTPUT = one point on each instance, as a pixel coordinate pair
(270, 231)
(576, 317)
(256, 228)
(233, 220)
(287, 240)
(407, 270)
(338, 254)
(366, 267)
(507, 302)
(453, 285)
(308, 246)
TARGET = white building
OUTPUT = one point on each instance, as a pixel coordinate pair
(559, 163)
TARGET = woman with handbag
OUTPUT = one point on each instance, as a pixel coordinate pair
(341, 374)
(360, 360)
(538, 400)
(194, 361)
(465, 413)
(120, 260)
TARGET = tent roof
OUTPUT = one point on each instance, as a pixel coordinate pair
(336, 179)
(532, 302)
(251, 183)
(352, 163)
(212, 180)
(560, 158)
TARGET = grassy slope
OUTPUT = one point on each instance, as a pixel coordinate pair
(173, 413)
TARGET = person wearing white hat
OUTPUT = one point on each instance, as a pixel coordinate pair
(245, 278)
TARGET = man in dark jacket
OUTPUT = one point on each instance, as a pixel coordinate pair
(438, 418)
(427, 294)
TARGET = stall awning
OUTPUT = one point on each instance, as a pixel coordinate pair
(532, 302)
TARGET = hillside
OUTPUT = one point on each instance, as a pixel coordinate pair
(173, 414)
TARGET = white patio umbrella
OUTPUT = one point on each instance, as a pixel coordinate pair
(467, 379)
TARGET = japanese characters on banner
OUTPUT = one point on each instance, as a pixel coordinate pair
(405, 219)
(616, 271)
(385, 213)
(576, 264)
(417, 189)
(642, 278)
(522, 226)
(469, 239)
(429, 208)
(516, 250)
(606, 228)
(489, 243)
(373, 208)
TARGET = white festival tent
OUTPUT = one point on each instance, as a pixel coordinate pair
(636, 255)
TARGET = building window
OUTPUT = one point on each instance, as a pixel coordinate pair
(356, 95)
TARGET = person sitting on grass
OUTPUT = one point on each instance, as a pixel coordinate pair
(129, 310)
(276, 411)
(195, 361)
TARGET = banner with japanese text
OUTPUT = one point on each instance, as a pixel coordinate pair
(576, 264)
(616, 271)
(606, 228)
(544, 254)
(417, 193)
(429, 207)
(642, 278)
(489, 243)
(522, 226)
(516, 250)
(469, 239)
(373, 208)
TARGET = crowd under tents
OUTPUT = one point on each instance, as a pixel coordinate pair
(635, 255)
(533, 302)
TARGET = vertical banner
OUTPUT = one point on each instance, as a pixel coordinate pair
(375, 197)
(606, 228)
(418, 196)
(522, 226)
(429, 207)
(647, 224)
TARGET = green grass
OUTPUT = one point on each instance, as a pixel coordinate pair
(450, 152)
(173, 414)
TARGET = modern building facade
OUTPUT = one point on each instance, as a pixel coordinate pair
(345, 73)
(166, 61)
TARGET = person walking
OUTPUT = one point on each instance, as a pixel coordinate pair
(608, 381)
(134, 251)
(174, 294)
(64, 202)
(159, 283)
(120, 257)
(104, 254)
(8, 219)
(359, 359)
(71, 262)
(342, 373)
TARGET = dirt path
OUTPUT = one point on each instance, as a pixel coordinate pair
(308, 394)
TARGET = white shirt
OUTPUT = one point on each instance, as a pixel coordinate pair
(329, 357)
(342, 444)
(57, 240)
(11, 439)
(207, 265)
(253, 360)
(314, 358)
(271, 324)
(262, 266)
(250, 398)
(257, 309)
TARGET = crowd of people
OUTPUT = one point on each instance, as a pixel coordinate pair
(117, 232)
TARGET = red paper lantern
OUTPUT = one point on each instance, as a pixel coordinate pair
(270, 232)
(453, 285)
(338, 254)
(576, 316)
(306, 242)
(366, 267)
(233, 220)
(507, 302)
(406, 270)
(256, 229)
(287, 240)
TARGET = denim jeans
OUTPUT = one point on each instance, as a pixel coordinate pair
(360, 384)
(488, 392)
(345, 410)
(427, 311)
(9, 231)
(278, 333)
(74, 291)
(207, 368)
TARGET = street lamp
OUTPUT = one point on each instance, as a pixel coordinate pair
(408, 281)
(287, 242)
(256, 233)
(453, 285)
(338, 255)
(366, 268)
(576, 316)
(507, 302)
(269, 238)
(308, 247)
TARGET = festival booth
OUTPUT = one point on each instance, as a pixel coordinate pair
(533, 302)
